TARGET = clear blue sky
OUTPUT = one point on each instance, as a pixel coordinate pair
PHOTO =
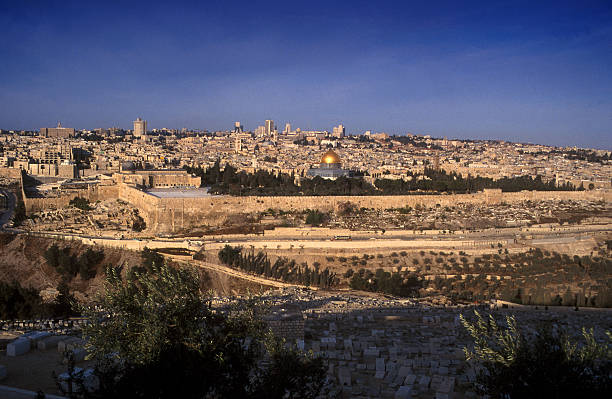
(534, 71)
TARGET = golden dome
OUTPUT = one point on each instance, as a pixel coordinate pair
(330, 157)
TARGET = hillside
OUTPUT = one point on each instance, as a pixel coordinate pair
(22, 260)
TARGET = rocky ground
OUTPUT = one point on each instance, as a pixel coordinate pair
(469, 216)
(381, 347)
(109, 217)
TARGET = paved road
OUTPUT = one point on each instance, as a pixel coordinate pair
(6, 216)
(492, 234)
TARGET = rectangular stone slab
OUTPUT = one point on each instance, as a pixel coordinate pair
(18, 347)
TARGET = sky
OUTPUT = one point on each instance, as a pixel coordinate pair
(528, 71)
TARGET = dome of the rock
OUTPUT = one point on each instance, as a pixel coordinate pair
(330, 157)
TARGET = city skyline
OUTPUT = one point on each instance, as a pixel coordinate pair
(510, 72)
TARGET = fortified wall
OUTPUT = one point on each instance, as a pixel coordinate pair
(13, 173)
(175, 214)
(97, 193)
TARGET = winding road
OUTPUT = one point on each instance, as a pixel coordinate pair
(230, 272)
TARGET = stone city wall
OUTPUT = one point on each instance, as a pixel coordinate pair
(97, 193)
(175, 214)
(13, 173)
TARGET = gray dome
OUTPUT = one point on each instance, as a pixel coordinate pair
(128, 165)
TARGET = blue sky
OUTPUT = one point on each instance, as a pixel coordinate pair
(468, 69)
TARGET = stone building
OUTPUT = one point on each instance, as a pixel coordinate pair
(59, 131)
(329, 168)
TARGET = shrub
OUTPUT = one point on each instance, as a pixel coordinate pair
(550, 364)
(160, 338)
(315, 217)
(80, 203)
(17, 302)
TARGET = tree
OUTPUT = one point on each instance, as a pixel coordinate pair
(153, 335)
(550, 364)
(81, 203)
(18, 302)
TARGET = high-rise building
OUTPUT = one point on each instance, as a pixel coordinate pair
(269, 127)
(140, 127)
(238, 128)
(338, 131)
(238, 143)
(287, 128)
(260, 131)
(59, 131)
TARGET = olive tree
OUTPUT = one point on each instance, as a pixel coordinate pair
(154, 335)
(548, 363)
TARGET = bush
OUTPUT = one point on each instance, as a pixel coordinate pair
(69, 266)
(316, 218)
(153, 335)
(80, 203)
(17, 302)
(396, 283)
(282, 269)
(139, 224)
(549, 365)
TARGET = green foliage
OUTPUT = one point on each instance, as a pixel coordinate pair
(282, 269)
(150, 258)
(396, 283)
(441, 181)
(80, 203)
(139, 224)
(550, 364)
(292, 375)
(347, 208)
(88, 261)
(69, 266)
(261, 182)
(17, 302)
(65, 304)
(315, 217)
(153, 335)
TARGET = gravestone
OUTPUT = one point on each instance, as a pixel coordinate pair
(403, 392)
(49, 342)
(344, 376)
(18, 347)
